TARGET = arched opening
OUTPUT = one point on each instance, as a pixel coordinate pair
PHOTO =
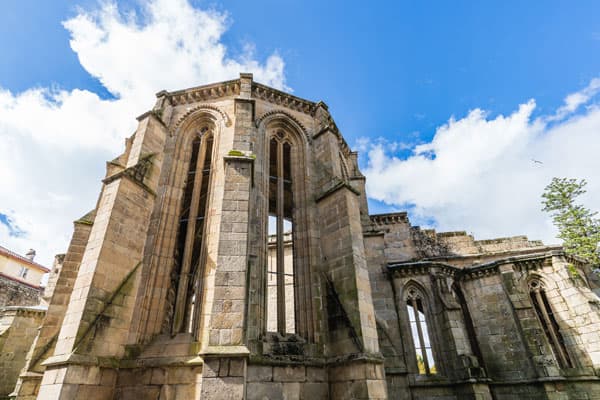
(420, 332)
(281, 272)
(190, 249)
(545, 314)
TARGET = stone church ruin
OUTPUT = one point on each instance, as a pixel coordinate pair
(231, 255)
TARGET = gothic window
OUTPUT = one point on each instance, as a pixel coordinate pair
(545, 314)
(280, 247)
(420, 331)
(190, 248)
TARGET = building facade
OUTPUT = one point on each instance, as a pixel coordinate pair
(231, 255)
(20, 278)
(21, 312)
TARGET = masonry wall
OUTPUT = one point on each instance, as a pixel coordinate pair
(18, 329)
(13, 293)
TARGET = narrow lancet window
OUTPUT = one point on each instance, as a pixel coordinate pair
(280, 258)
(190, 250)
(547, 319)
(420, 332)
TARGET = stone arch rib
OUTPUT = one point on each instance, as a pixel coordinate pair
(199, 111)
(285, 117)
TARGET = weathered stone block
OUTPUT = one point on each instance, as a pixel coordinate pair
(289, 374)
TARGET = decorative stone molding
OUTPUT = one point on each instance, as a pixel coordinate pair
(480, 272)
(521, 263)
(202, 93)
(422, 268)
(282, 99)
(198, 108)
(273, 114)
(531, 264)
(389, 219)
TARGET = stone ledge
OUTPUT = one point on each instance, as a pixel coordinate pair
(238, 158)
(225, 351)
(335, 188)
(162, 362)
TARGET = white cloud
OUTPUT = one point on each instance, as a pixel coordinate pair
(55, 141)
(573, 101)
(478, 173)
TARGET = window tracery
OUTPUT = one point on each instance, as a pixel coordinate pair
(420, 331)
(190, 248)
(281, 269)
(546, 316)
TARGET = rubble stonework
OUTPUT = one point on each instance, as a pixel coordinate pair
(15, 293)
(231, 255)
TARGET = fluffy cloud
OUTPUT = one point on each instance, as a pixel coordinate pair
(486, 175)
(55, 141)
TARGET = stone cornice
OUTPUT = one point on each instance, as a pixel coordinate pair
(422, 268)
(521, 262)
(202, 93)
(389, 219)
(504, 254)
(280, 98)
(262, 92)
(25, 310)
(232, 88)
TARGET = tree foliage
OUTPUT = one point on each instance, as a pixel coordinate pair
(578, 226)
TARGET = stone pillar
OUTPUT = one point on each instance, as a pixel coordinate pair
(97, 322)
(225, 352)
(43, 346)
(351, 317)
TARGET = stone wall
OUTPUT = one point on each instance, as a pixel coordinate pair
(14, 293)
(18, 329)
(287, 382)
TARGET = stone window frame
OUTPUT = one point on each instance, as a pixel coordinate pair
(190, 293)
(283, 149)
(413, 291)
(303, 280)
(545, 314)
(156, 301)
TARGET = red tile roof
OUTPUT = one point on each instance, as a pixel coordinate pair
(20, 258)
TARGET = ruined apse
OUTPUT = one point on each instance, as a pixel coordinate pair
(231, 255)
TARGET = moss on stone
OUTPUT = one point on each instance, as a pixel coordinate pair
(236, 153)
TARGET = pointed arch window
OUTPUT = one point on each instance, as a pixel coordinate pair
(281, 314)
(546, 316)
(420, 331)
(190, 248)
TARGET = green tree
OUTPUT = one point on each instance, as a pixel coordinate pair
(578, 226)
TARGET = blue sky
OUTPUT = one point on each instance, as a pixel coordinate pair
(388, 69)
(393, 74)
